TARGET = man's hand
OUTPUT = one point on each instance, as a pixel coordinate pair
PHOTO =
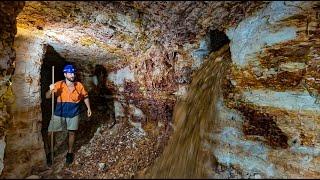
(86, 101)
(51, 87)
(89, 112)
(49, 92)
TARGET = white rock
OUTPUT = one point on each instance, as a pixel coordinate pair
(160, 124)
(257, 176)
(98, 132)
(121, 75)
(102, 166)
(136, 111)
(2, 148)
(101, 18)
(33, 177)
(254, 33)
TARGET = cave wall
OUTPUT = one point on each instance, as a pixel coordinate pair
(8, 13)
(148, 54)
(269, 119)
(25, 149)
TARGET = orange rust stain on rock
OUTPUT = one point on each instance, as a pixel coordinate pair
(281, 81)
(284, 80)
(291, 51)
(262, 124)
(155, 106)
(307, 139)
(21, 125)
(257, 124)
(244, 78)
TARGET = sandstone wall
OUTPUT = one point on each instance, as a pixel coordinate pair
(25, 149)
(270, 122)
(149, 49)
(8, 13)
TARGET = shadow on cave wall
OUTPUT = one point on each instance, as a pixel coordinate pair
(101, 102)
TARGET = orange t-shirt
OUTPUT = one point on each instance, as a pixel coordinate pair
(68, 101)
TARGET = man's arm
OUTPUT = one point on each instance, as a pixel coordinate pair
(49, 92)
(87, 102)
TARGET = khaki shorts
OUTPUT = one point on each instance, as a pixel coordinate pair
(63, 123)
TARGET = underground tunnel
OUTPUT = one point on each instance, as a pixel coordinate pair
(100, 97)
(51, 58)
(177, 89)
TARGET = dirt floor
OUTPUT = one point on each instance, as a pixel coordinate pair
(116, 150)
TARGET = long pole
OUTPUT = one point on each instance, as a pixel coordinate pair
(52, 108)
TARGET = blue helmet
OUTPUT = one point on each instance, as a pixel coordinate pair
(69, 69)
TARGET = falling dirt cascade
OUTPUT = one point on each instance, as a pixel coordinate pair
(195, 117)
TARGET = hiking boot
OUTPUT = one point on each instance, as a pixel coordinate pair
(69, 158)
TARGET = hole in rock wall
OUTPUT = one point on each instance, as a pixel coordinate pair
(217, 40)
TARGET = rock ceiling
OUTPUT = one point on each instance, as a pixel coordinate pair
(102, 31)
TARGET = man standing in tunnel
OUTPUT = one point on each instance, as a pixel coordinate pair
(69, 94)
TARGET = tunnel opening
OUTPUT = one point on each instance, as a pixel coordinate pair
(101, 101)
(217, 39)
(51, 58)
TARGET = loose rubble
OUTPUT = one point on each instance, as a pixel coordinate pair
(117, 152)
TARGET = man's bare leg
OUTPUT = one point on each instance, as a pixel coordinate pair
(71, 141)
(69, 157)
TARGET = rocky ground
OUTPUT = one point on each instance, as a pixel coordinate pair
(115, 151)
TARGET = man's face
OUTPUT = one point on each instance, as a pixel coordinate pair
(69, 76)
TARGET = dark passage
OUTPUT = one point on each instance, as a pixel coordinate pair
(217, 40)
(52, 58)
(102, 107)
(100, 97)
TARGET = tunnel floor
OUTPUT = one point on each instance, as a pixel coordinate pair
(115, 151)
